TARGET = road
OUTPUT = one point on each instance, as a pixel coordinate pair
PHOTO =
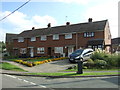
(10, 81)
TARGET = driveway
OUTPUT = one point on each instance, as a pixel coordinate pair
(54, 66)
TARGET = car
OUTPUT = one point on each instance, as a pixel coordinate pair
(80, 54)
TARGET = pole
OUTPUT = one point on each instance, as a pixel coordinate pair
(80, 71)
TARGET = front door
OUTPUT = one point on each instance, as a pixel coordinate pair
(49, 51)
(70, 50)
(31, 52)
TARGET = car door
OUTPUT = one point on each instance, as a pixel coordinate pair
(87, 55)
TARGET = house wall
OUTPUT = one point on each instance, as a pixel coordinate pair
(80, 40)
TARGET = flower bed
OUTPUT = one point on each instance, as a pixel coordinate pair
(30, 64)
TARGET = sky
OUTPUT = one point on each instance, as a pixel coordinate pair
(38, 13)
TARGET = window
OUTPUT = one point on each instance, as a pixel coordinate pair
(58, 49)
(20, 39)
(68, 36)
(41, 50)
(89, 34)
(44, 37)
(33, 38)
(55, 37)
(23, 50)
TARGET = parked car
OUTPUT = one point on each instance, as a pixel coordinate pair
(83, 54)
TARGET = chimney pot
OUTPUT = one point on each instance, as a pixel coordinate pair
(67, 23)
(49, 25)
(90, 20)
(33, 28)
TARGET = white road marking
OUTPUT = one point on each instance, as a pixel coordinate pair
(32, 83)
(25, 81)
(11, 76)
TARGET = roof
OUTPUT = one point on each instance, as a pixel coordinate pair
(95, 42)
(80, 27)
(116, 40)
(10, 36)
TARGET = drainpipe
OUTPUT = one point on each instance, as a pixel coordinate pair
(76, 40)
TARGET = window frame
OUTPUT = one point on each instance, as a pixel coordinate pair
(33, 39)
(58, 49)
(68, 36)
(20, 39)
(56, 37)
(89, 34)
(40, 50)
(23, 50)
(43, 38)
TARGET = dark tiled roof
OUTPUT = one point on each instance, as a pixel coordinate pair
(95, 42)
(80, 27)
(116, 40)
(9, 37)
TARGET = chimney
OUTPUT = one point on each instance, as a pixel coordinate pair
(49, 25)
(33, 28)
(67, 23)
(90, 20)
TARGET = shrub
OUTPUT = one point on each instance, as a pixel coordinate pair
(100, 63)
(89, 63)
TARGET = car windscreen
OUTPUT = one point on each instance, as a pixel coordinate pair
(78, 52)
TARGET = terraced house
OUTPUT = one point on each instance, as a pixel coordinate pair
(60, 40)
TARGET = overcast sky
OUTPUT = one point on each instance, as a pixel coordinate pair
(38, 13)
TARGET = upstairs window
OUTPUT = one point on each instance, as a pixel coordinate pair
(89, 34)
(41, 50)
(20, 39)
(55, 37)
(43, 38)
(68, 36)
(33, 38)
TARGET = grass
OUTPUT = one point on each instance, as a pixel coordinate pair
(41, 59)
(75, 74)
(8, 66)
(93, 70)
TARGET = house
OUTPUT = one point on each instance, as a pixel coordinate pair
(115, 45)
(62, 40)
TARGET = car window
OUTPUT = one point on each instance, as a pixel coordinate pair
(78, 52)
(87, 52)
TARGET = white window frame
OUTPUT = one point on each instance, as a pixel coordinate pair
(58, 50)
(23, 50)
(89, 34)
(20, 39)
(33, 38)
(68, 36)
(43, 37)
(40, 50)
(56, 37)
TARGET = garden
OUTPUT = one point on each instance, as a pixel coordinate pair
(100, 60)
(36, 61)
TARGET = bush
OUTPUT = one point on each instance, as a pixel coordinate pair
(89, 64)
(100, 63)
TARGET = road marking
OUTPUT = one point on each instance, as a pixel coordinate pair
(32, 83)
(25, 81)
(11, 76)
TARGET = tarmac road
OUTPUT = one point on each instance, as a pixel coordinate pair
(10, 81)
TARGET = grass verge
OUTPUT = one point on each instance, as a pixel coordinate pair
(8, 66)
(93, 70)
(74, 74)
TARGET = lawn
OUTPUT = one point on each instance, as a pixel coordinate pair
(34, 60)
(8, 66)
(75, 74)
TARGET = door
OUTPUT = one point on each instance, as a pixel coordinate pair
(31, 52)
(49, 51)
(70, 50)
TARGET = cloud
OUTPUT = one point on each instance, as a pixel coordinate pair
(19, 22)
(107, 10)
